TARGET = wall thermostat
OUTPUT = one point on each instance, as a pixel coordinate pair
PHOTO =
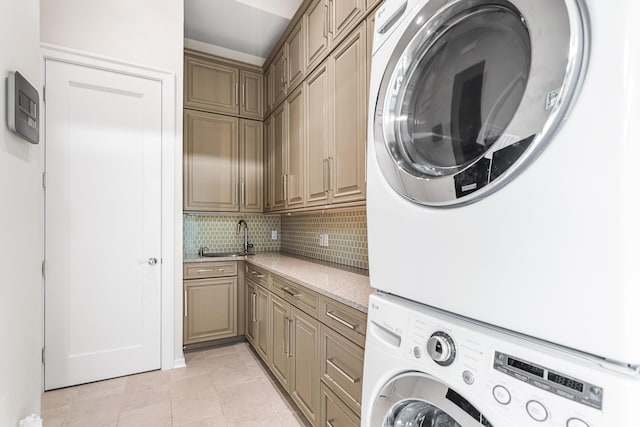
(23, 103)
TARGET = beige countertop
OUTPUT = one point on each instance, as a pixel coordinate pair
(350, 288)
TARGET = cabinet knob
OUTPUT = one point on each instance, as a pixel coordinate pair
(152, 261)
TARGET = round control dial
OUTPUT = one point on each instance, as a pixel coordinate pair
(441, 348)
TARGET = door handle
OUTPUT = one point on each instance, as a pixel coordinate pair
(236, 93)
(253, 307)
(289, 354)
(186, 305)
(330, 168)
(243, 196)
(285, 338)
(325, 175)
(244, 98)
(152, 261)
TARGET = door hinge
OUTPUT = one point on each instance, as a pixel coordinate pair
(43, 267)
(44, 180)
(43, 355)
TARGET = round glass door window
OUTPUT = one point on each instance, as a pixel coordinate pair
(472, 90)
(415, 399)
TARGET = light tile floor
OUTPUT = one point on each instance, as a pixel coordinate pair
(222, 387)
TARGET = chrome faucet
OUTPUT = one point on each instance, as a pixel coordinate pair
(246, 245)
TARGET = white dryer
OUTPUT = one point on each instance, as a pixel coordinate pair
(426, 368)
(503, 174)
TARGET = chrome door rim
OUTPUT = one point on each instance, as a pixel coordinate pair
(530, 127)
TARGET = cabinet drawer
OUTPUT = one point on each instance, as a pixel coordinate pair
(348, 321)
(202, 270)
(303, 298)
(341, 367)
(258, 275)
(333, 412)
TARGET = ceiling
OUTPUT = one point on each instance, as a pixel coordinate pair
(245, 30)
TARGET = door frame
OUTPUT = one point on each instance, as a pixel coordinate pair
(170, 356)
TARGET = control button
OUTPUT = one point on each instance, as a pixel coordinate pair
(467, 377)
(502, 395)
(441, 348)
(417, 352)
(537, 411)
(576, 422)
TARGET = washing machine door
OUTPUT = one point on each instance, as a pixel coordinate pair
(472, 91)
(416, 399)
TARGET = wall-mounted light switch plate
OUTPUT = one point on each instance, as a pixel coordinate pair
(320, 240)
(325, 240)
(274, 234)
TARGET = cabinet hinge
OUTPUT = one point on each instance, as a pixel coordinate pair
(43, 355)
(43, 268)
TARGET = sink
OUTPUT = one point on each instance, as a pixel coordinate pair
(223, 254)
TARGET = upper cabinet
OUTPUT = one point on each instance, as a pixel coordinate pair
(344, 16)
(223, 87)
(315, 24)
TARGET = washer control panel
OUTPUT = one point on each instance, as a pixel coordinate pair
(548, 380)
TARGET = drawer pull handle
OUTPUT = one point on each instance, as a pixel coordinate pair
(290, 292)
(255, 274)
(342, 372)
(208, 270)
(332, 315)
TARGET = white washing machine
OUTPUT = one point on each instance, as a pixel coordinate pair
(503, 165)
(426, 368)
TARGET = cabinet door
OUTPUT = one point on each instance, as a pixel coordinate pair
(210, 309)
(251, 318)
(371, 4)
(210, 86)
(262, 324)
(278, 69)
(347, 161)
(343, 17)
(251, 158)
(305, 375)
(315, 25)
(268, 91)
(251, 95)
(294, 182)
(295, 57)
(268, 165)
(277, 174)
(317, 106)
(210, 162)
(280, 339)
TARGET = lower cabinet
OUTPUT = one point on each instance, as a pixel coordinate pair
(333, 412)
(210, 309)
(320, 368)
(210, 306)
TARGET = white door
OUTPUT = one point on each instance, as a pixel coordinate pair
(103, 224)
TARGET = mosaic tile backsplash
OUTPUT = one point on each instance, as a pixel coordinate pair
(347, 236)
(218, 233)
(298, 234)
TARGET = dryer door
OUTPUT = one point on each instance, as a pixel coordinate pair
(417, 399)
(472, 91)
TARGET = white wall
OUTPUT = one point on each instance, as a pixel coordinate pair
(20, 226)
(144, 32)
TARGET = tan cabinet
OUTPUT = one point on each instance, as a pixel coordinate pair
(315, 25)
(305, 378)
(250, 166)
(336, 125)
(222, 163)
(268, 90)
(222, 86)
(371, 4)
(278, 158)
(317, 116)
(349, 116)
(295, 173)
(341, 365)
(269, 158)
(210, 302)
(344, 15)
(280, 360)
(210, 162)
(251, 318)
(262, 326)
(251, 104)
(333, 412)
(295, 61)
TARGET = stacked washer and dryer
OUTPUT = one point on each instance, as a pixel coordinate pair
(503, 214)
